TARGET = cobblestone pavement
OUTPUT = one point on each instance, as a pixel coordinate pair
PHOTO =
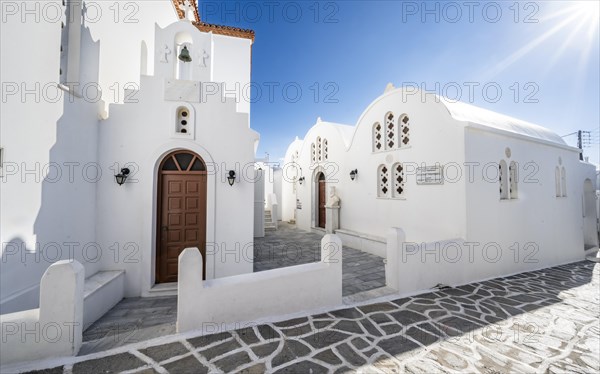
(545, 321)
(289, 246)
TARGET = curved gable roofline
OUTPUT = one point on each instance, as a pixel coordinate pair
(345, 132)
(476, 117)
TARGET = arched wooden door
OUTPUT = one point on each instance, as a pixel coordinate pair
(181, 212)
(321, 199)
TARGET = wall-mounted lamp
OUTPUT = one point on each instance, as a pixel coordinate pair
(301, 180)
(354, 174)
(122, 176)
(231, 177)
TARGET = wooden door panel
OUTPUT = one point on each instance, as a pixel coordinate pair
(182, 221)
(322, 196)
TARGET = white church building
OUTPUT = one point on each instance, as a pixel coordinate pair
(445, 171)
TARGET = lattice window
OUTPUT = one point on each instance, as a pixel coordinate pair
(404, 125)
(377, 137)
(503, 179)
(514, 180)
(383, 178)
(325, 149)
(563, 181)
(398, 181)
(390, 131)
(313, 153)
(319, 149)
(557, 181)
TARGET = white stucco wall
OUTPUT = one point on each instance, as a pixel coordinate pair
(49, 141)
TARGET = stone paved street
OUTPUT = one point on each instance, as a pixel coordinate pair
(538, 322)
(288, 246)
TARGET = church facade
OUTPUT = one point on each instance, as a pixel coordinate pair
(124, 187)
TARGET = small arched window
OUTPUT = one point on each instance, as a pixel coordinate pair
(325, 149)
(383, 180)
(398, 181)
(557, 181)
(313, 153)
(390, 131)
(404, 128)
(503, 179)
(513, 180)
(563, 181)
(377, 137)
(319, 149)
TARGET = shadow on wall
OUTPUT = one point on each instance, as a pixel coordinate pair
(65, 224)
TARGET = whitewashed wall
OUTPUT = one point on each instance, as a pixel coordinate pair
(537, 227)
(49, 141)
(249, 297)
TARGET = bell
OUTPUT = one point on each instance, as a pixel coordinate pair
(184, 55)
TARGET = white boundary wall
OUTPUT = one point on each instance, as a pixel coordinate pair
(56, 328)
(253, 296)
(413, 268)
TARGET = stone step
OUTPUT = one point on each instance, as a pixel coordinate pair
(163, 289)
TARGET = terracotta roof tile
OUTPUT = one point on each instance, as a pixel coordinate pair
(208, 27)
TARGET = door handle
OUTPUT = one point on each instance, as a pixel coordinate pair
(165, 228)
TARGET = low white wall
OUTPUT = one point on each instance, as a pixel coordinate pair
(56, 328)
(366, 243)
(248, 297)
(414, 268)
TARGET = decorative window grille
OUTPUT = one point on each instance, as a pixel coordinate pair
(398, 181)
(313, 153)
(325, 150)
(503, 179)
(383, 181)
(514, 180)
(377, 137)
(319, 149)
(390, 131)
(404, 130)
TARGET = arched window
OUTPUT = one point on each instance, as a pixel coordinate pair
(313, 153)
(514, 180)
(563, 181)
(377, 137)
(383, 180)
(398, 181)
(325, 150)
(557, 181)
(503, 179)
(319, 149)
(390, 131)
(404, 126)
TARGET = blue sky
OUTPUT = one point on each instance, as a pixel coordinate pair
(543, 56)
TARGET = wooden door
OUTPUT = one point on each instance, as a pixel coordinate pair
(182, 212)
(322, 198)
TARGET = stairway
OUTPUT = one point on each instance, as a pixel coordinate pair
(269, 224)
